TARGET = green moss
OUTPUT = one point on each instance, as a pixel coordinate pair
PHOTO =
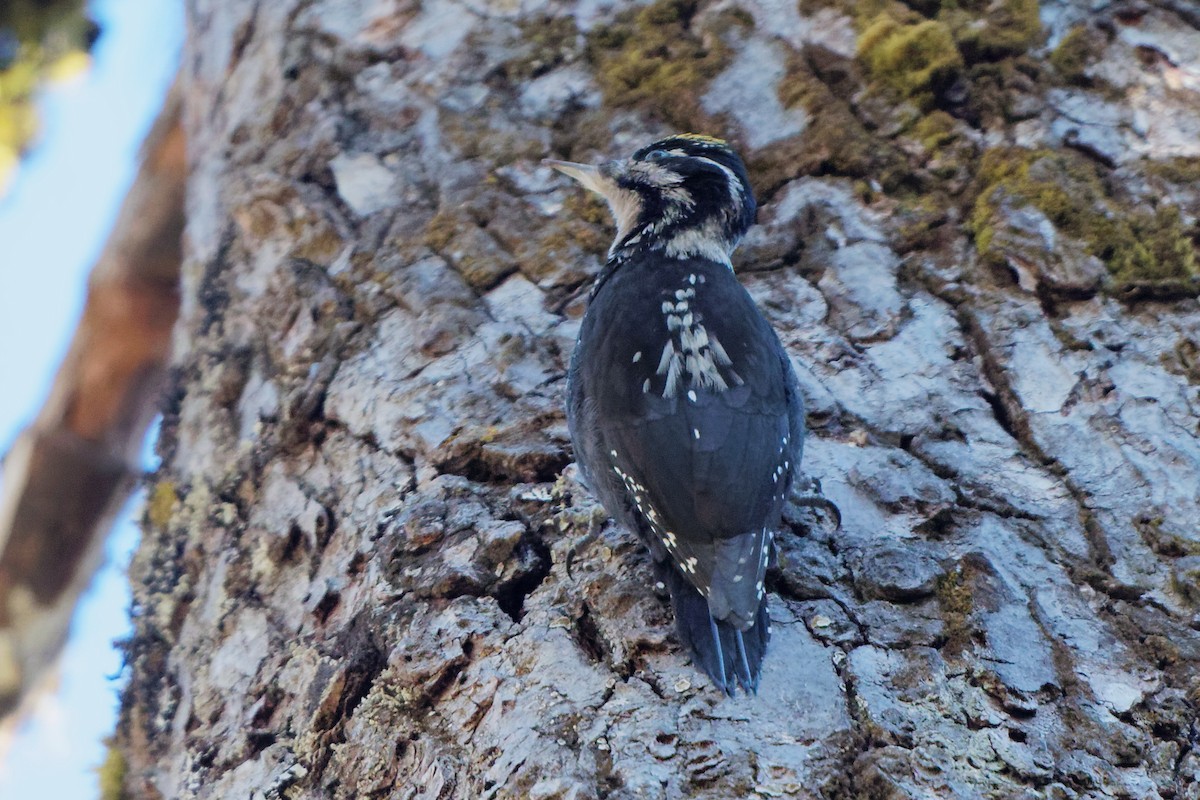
(835, 141)
(442, 230)
(650, 59)
(1136, 243)
(162, 504)
(588, 207)
(936, 129)
(956, 601)
(799, 87)
(919, 219)
(986, 30)
(1073, 54)
(112, 775)
(994, 87)
(912, 58)
(1182, 170)
(1154, 247)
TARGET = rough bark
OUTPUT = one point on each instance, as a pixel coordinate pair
(68, 474)
(368, 570)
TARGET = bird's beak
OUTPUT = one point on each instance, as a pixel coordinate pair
(590, 177)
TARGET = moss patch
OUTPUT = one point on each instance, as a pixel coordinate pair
(651, 59)
(985, 30)
(915, 59)
(1183, 170)
(935, 130)
(469, 248)
(1137, 244)
(112, 775)
(1073, 54)
(162, 504)
(956, 601)
(835, 141)
(1153, 247)
(920, 50)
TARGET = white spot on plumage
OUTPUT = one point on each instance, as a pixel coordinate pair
(737, 578)
(668, 353)
(637, 356)
(696, 433)
(674, 373)
(646, 386)
(692, 395)
(719, 354)
(691, 351)
(694, 339)
(692, 279)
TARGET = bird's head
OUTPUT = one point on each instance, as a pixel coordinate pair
(687, 195)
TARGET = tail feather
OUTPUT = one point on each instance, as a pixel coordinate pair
(731, 657)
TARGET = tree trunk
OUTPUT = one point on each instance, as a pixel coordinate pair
(368, 569)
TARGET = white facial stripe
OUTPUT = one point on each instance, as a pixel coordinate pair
(654, 174)
(626, 207)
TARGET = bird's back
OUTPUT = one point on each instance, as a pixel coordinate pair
(685, 415)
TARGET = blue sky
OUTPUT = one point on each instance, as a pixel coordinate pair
(53, 224)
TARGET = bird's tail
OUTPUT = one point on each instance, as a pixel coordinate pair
(731, 657)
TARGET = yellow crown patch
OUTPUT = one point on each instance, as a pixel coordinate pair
(703, 138)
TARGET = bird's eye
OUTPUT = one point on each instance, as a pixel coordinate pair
(657, 155)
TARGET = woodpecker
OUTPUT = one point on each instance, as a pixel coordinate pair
(682, 404)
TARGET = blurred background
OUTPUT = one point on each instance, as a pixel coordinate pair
(80, 84)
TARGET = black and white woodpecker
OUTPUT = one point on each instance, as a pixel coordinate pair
(682, 404)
